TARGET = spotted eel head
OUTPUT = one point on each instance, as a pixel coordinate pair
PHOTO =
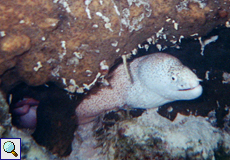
(168, 77)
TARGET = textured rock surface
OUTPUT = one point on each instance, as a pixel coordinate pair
(155, 136)
(152, 136)
(29, 148)
(77, 39)
(5, 117)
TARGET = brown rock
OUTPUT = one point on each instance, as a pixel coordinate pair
(10, 47)
(49, 24)
(74, 37)
(15, 44)
(7, 65)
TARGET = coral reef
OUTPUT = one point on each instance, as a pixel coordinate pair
(151, 136)
(5, 117)
(75, 43)
(29, 148)
(208, 66)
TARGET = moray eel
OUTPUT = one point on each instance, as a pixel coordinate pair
(157, 79)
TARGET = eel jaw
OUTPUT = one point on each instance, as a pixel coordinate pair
(189, 89)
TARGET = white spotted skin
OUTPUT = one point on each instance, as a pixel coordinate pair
(107, 98)
(158, 78)
(161, 78)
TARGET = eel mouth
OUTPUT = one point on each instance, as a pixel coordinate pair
(189, 89)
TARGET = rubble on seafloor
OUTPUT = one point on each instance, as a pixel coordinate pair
(30, 150)
(152, 136)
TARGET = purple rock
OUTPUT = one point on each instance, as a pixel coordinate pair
(29, 120)
(21, 110)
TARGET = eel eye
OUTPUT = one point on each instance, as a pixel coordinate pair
(173, 78)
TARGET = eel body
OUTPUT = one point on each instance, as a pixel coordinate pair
(157, 79)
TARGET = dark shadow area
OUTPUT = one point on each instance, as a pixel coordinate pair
(56, 119)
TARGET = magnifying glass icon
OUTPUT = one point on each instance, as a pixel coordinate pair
(9, 147)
